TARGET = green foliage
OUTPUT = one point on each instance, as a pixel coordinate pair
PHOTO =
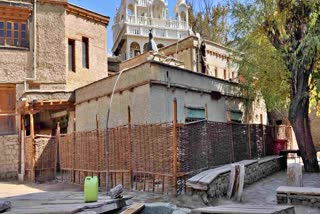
(279, 41)
(210, 20)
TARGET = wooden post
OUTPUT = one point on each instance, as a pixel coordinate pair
(175, 158)
(231, 141)
(56, 149)
(33, 157)
(263, 139)
(206, 111)
(249, 141)
(130, 145)
(98, 142)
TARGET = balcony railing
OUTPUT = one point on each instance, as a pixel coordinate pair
(163, 23)
(143, 3)
(158, 32)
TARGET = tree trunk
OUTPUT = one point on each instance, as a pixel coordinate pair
(299, 118)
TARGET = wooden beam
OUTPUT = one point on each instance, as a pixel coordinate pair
(175, 157)
(206, 111)
(33, 157)
(57, 142)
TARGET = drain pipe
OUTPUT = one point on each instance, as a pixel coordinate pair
(34, 46)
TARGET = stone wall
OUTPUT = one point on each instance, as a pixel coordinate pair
(254, 172)
(9, 158)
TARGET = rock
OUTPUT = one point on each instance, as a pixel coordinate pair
(4, 206)
(158, 208)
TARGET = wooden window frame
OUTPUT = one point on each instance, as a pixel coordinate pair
(72, 42)
(85, 50)
(9, 41)
(8, 113)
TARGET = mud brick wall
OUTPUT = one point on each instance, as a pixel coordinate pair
(9, 157)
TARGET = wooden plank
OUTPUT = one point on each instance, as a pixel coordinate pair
(245, 209)
(214, 174)
(241, 183)
(133, 209)
(299, 190)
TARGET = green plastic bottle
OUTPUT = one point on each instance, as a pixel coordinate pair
(91, 189)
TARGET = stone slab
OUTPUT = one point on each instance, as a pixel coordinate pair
(299, 190)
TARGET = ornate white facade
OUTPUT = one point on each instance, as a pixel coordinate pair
(135, 18)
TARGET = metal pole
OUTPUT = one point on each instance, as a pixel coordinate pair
(107, 136)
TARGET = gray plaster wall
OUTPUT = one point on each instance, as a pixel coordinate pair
(162, 104)
(138, 100)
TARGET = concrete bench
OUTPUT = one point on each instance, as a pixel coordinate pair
(246, 208)
(307, 196)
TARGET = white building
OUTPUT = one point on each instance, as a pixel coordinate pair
(134, 20)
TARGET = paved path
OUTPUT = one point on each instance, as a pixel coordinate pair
(261, 193)
(264, 191)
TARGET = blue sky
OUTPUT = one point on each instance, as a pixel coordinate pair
(108, 8)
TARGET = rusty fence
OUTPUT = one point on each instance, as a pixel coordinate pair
(142, 157)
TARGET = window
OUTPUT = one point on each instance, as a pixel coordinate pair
(194, 114)
(85, 52)
(13, 34)
(71, 55)
(225, 74)
(7, 110)
(236, 116)
(216, 72)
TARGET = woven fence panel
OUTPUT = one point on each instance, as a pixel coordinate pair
(66, 149)
(192, 147)
(152, 157)
(256, 140)
(28, 150)
(45, 158)
(269, 139)
(220, 141)
(140, 156)
(240, 142)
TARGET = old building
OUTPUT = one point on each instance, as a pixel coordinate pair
(147, 87)
(47, 49)
(135, 18)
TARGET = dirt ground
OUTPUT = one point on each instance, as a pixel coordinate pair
(262, 192)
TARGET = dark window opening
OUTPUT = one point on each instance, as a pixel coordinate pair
(71, 55)
(85, 52)
(194, 114)
(236, 116)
